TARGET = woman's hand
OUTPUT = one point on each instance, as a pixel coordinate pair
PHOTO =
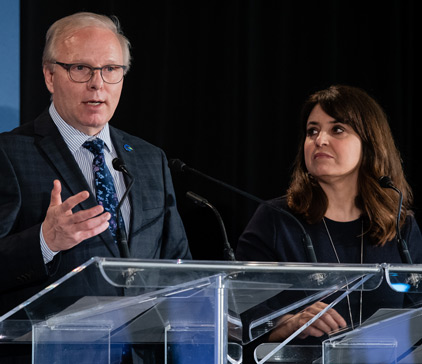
(328, 322)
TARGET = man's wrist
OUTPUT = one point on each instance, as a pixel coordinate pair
(47, 253)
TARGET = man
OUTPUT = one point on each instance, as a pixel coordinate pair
(52, 218)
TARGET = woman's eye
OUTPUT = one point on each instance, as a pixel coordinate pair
(311, 132)
(338, 129)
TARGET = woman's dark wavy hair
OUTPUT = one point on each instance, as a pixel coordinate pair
(380, 157)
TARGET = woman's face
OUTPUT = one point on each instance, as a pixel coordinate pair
(332, 150)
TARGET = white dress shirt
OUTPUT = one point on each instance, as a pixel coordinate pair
(74, 139)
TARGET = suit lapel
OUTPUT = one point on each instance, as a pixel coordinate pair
(56, 151)
(129, 157)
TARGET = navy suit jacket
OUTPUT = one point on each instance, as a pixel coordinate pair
(31, 157)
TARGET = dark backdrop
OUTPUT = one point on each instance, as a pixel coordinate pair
(219, 84)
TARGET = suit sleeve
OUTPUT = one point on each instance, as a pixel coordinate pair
(21, 260)
(175, 243)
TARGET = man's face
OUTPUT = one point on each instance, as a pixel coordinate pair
(85, 106)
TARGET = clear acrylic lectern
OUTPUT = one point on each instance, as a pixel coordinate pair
(182, 311)
(390, 335)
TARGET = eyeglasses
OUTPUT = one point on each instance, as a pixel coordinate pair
(79, 72)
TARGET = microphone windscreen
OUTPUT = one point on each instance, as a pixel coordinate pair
(118, 165)
(385, 182)
(177, 165)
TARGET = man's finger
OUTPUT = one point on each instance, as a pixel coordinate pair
(98, 228)
(76, 225)
(56, 198)
(84, 215)
(73, 201)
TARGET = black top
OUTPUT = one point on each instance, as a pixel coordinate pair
(274, 236)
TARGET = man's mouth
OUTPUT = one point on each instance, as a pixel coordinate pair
(94, 102)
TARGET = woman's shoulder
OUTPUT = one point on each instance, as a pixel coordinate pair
(410, 223)
(278, 202)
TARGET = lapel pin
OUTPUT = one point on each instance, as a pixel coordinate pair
(128, 147)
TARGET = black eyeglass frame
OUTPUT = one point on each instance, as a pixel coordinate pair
(68, 66)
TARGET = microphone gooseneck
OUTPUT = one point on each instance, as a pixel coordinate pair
(122, 239)
(200, 201)
(178, 166)
(385, 182)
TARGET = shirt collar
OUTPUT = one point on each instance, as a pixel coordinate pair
(73, 137)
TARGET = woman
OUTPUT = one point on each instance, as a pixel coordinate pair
(336, 194)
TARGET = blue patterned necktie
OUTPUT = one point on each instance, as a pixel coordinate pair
(106, 192)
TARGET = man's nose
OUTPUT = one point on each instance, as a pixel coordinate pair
(96, 80)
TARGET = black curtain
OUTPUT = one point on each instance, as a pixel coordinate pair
(219, 84)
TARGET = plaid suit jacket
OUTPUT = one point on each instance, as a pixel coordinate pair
(31, 157)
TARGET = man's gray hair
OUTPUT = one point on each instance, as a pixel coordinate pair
(67, 25)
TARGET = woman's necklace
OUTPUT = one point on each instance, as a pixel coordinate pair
(361, 262)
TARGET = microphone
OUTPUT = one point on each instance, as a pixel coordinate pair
(385, 182)
(200, 201)
(178, 165)
(119, 166)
